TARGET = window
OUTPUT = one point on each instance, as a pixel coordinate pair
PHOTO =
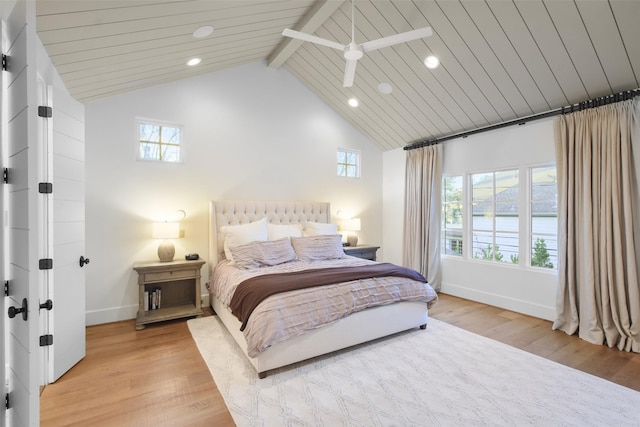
(348, 163)
(495, 216)
(159, 141)
(544, 217)
(452, 215)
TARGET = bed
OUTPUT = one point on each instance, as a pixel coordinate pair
(310, 337)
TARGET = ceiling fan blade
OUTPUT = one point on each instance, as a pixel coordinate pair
(313, 39)
(396, 39)
(349, 73)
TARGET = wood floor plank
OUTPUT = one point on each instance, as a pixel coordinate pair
(156, 376)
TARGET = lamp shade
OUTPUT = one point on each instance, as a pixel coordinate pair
(352, 224)
(166, 230)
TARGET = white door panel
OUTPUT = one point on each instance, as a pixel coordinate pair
(21, 259)
(65, 167)
(70, 148)
(69, 233)
(68, 222)
(16, 141)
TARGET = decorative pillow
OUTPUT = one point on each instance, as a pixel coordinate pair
(236, 235)
(319, 228)
(260, 254)
(314, 248)
(279, 231)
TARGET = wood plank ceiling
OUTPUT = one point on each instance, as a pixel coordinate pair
(500, 59)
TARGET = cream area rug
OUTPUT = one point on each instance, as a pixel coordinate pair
(441, 376)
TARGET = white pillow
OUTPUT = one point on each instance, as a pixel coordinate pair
(279, 231)
(260, 254)
(236, 235)
(319, 228)
(314, 248)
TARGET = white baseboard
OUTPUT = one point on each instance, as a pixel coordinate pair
(117, 314)
(524, 307)
(109, 315)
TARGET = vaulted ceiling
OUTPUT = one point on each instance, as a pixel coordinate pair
(499, 59)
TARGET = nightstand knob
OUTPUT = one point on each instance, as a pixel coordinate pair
(84, 261)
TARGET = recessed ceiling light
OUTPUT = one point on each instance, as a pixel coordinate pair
(203, 31)
(385, 88)
(353, 102)
(431, 62)
(193, 61)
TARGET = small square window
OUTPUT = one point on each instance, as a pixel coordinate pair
(159, 141)
(348, 163)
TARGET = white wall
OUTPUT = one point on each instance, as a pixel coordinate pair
(249, 133)
(518, 288)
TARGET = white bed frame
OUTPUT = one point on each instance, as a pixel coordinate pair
(357, 328)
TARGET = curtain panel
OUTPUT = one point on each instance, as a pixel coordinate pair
(421, 237)
(598, 290)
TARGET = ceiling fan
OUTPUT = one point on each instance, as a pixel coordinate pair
(354, 51)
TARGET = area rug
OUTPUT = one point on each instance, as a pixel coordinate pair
(441, 376)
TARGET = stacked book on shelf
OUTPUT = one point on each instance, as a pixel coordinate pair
(152, 299)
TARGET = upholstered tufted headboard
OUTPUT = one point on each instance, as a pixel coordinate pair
(233, 212)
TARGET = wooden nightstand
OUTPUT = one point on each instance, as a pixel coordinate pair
(362, 251)
(179, 285)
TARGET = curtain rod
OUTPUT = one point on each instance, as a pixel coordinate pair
(592, 103)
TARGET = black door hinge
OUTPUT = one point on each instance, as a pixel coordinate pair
(45, 188)
(45, 264)
(4, 62)
(5, 175)
(46, 340)
(6, 288)
(6, 401)
(44, 111)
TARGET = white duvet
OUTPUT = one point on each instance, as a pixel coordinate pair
(290, 314)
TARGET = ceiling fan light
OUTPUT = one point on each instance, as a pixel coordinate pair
(353, 52)
(353, 102)
(193, 61)
(431, 62)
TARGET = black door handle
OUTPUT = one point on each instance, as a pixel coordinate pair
(84, 261)
(48, 304)
(16, 310)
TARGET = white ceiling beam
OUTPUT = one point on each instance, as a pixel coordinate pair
(313, 19)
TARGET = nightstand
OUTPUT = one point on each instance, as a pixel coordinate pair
(362, 251)
(178, 283)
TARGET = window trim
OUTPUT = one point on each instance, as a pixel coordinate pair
(443, 227)
(529, 225)
(160, 123)
(524, 225)
(494, 231)
(358, 154)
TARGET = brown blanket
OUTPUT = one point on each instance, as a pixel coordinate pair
(252, 291)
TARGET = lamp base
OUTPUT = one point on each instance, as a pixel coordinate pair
(352, 239)
(166, 251)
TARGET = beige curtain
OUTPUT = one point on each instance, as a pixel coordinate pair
(598, 293)
(423, 183)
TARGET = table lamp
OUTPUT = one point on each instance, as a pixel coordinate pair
(165, 231)
(352, 226)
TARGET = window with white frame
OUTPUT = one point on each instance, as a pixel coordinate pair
(452, 215)
(544, 217)
(348, 163)
(495, 216)
(159, 141)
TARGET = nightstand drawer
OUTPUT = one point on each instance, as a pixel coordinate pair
(168, 275)
(362, 251)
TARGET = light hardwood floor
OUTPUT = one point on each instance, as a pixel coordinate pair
(156, 377)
